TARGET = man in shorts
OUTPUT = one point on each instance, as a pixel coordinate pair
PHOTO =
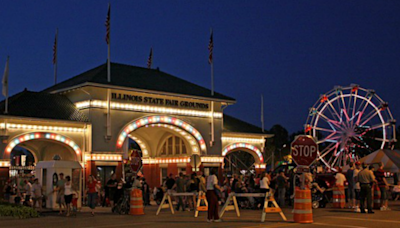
(383, 186)
(60, 192)
(112, 185)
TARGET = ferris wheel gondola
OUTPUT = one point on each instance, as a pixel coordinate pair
(349, 122)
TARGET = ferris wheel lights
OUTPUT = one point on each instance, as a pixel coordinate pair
(323, 99)
(355, 88)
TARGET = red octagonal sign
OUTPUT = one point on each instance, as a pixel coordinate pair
(304, 150)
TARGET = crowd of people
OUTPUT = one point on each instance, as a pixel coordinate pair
(360, 180)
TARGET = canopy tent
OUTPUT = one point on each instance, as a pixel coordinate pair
(390, 159)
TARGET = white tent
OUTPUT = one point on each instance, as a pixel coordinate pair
(390, 159)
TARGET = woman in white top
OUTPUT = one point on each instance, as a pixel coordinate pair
(68, 193)
(212, 199)
(264, 183)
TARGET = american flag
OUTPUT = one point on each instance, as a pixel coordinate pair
(210, 48)
(108, 24)
(150, 60)
(55, 48)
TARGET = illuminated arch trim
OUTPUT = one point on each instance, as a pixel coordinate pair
(160, 119)
(234, 146)
(43, 135)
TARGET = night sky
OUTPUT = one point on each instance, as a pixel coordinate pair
(291, 51)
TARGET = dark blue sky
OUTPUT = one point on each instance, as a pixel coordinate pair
(291, 51)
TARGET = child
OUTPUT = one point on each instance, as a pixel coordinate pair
(396, 191)
(74, 202)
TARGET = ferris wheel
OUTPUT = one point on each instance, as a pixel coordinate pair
(349, 123)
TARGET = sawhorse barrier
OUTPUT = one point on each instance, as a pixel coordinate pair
(202, 198)
(267, 198)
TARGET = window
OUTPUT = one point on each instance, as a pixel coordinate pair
(173, 145)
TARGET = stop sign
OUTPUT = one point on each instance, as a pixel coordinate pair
(136, 161)
(304, 150)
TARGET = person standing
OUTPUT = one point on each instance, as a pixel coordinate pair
(340, 179)
(212, 199)
(60, 192)
(281, 181)
(383, 187)
(68, 194)
(351, 186)
(264, 186)
(112, 185)
(357, 187)
(92, 193)
(146, 192)
(202, 182)
(180, 188)
(37, 194)
(170, 183)
(7, 189)
(366, 178)
(28, 193)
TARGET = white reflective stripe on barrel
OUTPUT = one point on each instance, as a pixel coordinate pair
(297, 211)
(302, 200)
(136, 198)
(136, 206)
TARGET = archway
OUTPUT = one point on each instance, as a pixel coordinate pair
(43, 136)
(164, 120)
(246, 147)
(241, 158)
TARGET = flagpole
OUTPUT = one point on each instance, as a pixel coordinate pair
(108, 40)
(211, 61)
(262, 112)
(55, 60)
(5, 85)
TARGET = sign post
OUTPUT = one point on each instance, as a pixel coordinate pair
(304, 151)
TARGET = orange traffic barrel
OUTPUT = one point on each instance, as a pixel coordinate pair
(339, 197)
(377, 197)
(302, 212)
(136, 202)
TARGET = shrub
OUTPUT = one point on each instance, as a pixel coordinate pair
(17, 211)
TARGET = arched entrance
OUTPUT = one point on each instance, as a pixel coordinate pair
(166, 144)
(163, 121)
(40, 142)
(241, 158)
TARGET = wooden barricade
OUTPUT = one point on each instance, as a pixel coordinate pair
(202, 198)
(267, 198)
(168, 197)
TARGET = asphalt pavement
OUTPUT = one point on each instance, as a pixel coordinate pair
(327, 217)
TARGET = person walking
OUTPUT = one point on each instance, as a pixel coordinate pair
(212, 199)
(112, 185)
(68, 191)
(60, 193)
(366, 178)
(383, 187)
(92, 193)
(281, 181)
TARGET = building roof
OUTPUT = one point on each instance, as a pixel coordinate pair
(232, 124)
(139, 78)
(43, 105)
